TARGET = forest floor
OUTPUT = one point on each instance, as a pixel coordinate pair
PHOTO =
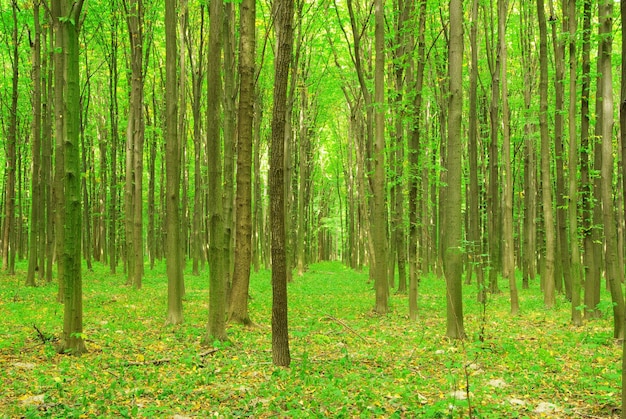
(346, 361)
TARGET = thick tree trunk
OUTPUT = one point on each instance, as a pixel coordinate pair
(72, 338)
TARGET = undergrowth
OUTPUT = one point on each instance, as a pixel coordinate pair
(346, 361)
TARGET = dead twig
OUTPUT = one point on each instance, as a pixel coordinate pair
(42, 337)
(162, 361)
(348, 328)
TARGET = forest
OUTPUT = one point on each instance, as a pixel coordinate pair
(298, 208)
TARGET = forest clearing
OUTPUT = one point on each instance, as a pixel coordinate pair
(346, 362)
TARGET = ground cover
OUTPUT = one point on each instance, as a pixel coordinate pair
(346, 362)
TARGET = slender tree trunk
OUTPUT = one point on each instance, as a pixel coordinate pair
(35, 256)
(134, 146)
(238, 309)
(453, 257)
(11, 156)
(172, 151)
(529, 253)
(284, 42)
(197, 68)
(113, 116)
(416, 77)
(508, 250)
(570, 26)
(546, 178)
(622, 124)
(562, 264)
(230, 133)
(590, 261)
(378, 224)
(606, 171)
(216, 327)
(474, 238)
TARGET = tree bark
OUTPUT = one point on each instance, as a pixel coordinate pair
(570, 25)
(238, 309)
(69, 24)
(606, 171)
(284, 42)
(453, 256)
(35, 256)
(216, 327)
(172, 151)
(508, 251)
(546, 178)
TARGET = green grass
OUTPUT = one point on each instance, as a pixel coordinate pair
(346, 362)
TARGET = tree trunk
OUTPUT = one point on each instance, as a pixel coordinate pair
(415, 78)
(508, 251)
(378, 213)
(606, 171)
(284, 42)
(238, 309)
(172, 155)
(570, 26)
(35, 256)
(69, 24)
(529, 251)
(230, 132)
(562, 263)
(216, 327)
(475, 241)
(134, 147)
(11, 157)
(589, 231)
(113, 116)
(453, 256)
(546, 178)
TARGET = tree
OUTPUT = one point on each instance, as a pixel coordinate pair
(216, 327)
(8, 233)
(35, 255)
(606, 171)
(546, 178)
(507, 218)
(172, 151)
(134, 146)
(570, 25)
(415, 78)
(453, 256)
(283, 10)
(238, 309)
(69, 27)
(378, 212)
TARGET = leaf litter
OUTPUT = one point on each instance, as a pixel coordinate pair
(346, 362)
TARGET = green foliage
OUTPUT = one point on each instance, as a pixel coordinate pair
(346, 361)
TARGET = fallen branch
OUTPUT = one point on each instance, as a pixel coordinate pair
(152, 362)
(348, 328)
(42, 337)
(164, 360)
